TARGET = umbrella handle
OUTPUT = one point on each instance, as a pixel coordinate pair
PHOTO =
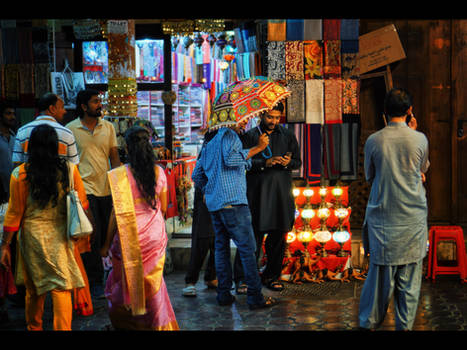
(269, 155)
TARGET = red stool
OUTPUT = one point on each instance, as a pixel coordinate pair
(446, 233)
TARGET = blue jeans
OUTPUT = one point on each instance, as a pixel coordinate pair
(235, 223)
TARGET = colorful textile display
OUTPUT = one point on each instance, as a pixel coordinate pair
(314, 101)
(333, 101)
(313, 59)
(350, 96)
(277, 30)
(312, 29)
(296, 101)
(349, 29)
(331, 29)
(332, 59)
(276, 60)
(294, 60)
(294, 29)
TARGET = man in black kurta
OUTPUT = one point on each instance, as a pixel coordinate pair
(269, 191)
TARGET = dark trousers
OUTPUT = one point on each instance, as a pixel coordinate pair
(274, 247)
(101, 208)
(200, 247)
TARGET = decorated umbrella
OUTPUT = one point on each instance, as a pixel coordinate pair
(245, 99)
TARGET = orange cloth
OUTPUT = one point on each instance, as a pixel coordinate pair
(82, 301)
(34, 307)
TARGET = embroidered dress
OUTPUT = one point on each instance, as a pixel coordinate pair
(46, 254)
(135, 289)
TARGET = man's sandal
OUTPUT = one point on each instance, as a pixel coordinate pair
(275, 286)
(241, 288)
(267, 303)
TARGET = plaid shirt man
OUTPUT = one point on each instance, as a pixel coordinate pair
(220, 171)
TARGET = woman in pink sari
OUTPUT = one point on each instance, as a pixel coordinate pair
(135, 288)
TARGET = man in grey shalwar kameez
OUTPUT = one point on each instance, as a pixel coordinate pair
(395, 230)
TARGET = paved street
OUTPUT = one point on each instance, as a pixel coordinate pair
(329, 307)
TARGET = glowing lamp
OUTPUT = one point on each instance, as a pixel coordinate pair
(297, 213)
(308, 214)
(323, 236)
(323, 191)
(296, 192)
(305, 236)
(223, 65)
(337, 192)
(308, 192)
(341, 213)
(291, 236)
(323, 213)
(341, 237)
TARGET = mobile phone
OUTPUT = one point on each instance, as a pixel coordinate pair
(408, 118)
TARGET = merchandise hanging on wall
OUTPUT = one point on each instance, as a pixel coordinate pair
(323, 55)
(67, 84)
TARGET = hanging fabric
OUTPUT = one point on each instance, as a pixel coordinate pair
(350, 137)
(312, 154)
(333, 101)
(277, 29)
(350, 96)
(314, 92)
(331, 29)
(349, 29)
(172, 207)
(296, 101)
(332, 59)
(294, 29)
(312, 29)
(276, 60)
(313, 59)
(331, 150)
(294, 60)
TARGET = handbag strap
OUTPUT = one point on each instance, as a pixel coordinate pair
(70, 176)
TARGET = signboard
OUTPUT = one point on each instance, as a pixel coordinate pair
(379, 48)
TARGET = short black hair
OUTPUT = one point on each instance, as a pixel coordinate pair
(6, 104)
(47, 100)
(397, 102)
(83, 97)
(279, 107)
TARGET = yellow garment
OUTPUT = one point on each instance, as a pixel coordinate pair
(128, 232)
(94, 151)
(46, 253)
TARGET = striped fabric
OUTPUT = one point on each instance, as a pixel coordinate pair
(66, 140)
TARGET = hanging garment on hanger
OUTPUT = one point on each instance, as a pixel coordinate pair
(172, 208)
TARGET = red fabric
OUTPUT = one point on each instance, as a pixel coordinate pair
(172, 208)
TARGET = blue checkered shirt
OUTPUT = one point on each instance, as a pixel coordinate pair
(220, 170)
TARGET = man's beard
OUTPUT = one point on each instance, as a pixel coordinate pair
(95, 114)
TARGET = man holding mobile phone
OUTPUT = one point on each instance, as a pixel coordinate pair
(269, 191)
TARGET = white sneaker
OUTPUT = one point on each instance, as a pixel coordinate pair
(189, 291)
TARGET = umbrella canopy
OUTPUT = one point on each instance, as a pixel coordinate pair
(245, 99)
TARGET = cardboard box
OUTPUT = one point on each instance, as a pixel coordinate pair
(379, 48)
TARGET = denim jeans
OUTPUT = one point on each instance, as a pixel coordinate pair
(235, 223)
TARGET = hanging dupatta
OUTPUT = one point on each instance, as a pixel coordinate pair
(133, 283)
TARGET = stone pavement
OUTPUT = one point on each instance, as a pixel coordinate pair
(442, 307)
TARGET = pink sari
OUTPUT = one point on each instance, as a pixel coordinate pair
(152, 239)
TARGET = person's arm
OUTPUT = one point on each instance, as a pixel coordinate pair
(198, 176)
(368, 163)
(113, 148)
(111, 230)
(114, 158)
